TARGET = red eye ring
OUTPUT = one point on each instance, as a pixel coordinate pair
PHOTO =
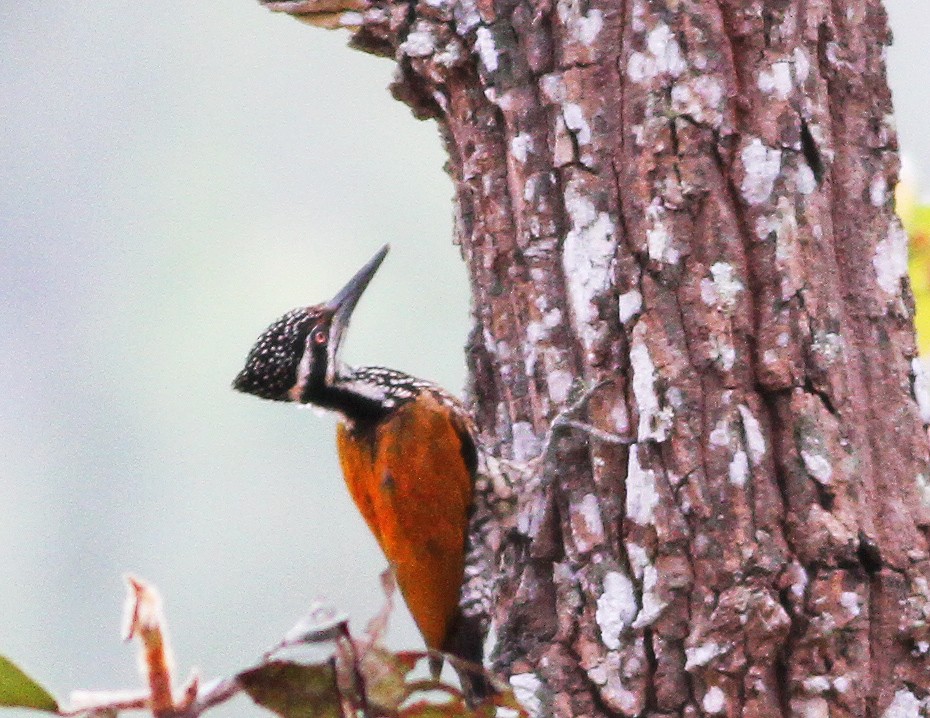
(319, 336)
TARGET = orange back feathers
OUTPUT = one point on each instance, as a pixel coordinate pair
(412, 483)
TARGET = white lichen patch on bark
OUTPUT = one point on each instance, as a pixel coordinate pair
(816, 685)
(714, 701)
(575, 121)
(841, 684)
(616, 608)
(829, 345)
(588, 26)
(559, 382)
(520, 146)
(438, 4)
(721, 435)
(466, 14)
(802, 65)
(810, 708)
(761, 166)
(449, 54)
(904, 705)
(921, 389)
(620, 419)
(526, 689)
(582, 28)
(654, 419)
(420, 42)
(550, 317)
(755, 441)
(890, 260)
(918, 604)
(739, 468)
(817, 465)
(552, 87)
(351, 19)
(639, 559)
(526, 444)
(923, 489)
(536, 332)
(799, 579)
(776, 80)
(722, 288)
(637, 16)
(629, 305)
(805, 181)
(878, 189)
(699, 97)
(585, 519)
(726, 284)
(783, 224)
(723, 352)
(663, 56)
(659, 241)
(607, 676)
(698, 656)
(850, 601)
(587, 256)
(641, 494)
(724, 436)
(653, 605)
(486, 48)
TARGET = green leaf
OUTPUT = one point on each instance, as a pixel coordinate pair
(17, 690)
(427, 709)
(385, 675)
(294, 690)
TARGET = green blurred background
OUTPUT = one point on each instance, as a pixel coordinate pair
(175, 175)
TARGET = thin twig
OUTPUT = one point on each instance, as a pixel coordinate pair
(210, 695)
(599, 434)
(564, 420)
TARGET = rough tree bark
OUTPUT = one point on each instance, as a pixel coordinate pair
(691, 199)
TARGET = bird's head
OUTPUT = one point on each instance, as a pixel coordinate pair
(298, 354)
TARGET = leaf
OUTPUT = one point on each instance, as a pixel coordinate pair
(17, 690)
(426, 709)
(294, 690)
(507, 699)
(915, 216)
(385, 676)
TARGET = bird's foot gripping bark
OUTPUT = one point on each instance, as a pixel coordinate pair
(329, 14)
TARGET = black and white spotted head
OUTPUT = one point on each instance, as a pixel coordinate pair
(272, 369)
(296, 357)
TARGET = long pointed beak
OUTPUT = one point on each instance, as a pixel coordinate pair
(343, 304)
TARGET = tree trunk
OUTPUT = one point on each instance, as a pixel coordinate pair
(693, 201)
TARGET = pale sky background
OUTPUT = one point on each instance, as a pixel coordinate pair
(173, 176)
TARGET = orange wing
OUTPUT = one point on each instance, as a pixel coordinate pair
(410, 481)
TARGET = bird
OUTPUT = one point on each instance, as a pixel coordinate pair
(408, 454)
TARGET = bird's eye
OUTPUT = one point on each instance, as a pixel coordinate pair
(319, 336)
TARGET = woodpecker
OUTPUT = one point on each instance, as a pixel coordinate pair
(408, 454)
